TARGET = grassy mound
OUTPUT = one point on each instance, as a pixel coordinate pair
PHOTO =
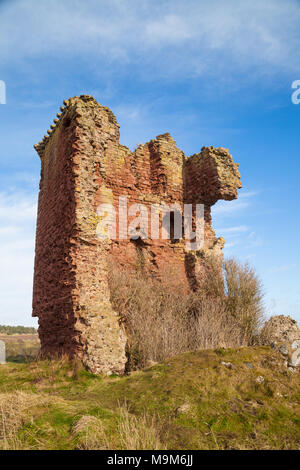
(223, 399)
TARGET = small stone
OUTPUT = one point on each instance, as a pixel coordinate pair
(227, 364)
(260, 379)
(183, 408)
(249, 365)
(295, 359)
(284, 350)
(295, 344)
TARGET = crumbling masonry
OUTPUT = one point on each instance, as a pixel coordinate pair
(84, 165)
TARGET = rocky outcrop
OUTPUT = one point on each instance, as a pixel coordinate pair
(83, 165)
(283, 333)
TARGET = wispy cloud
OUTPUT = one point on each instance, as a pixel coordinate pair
(191, 38)
(237, 236)
(225, 208)
(233, 230)
(282, 268)
(17, 207)
(17, 235)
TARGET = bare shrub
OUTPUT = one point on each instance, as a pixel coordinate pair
(155, 317)
(211, 327)
(162, 319)
(244, 298)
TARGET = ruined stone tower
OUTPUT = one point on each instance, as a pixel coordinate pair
(83, 165)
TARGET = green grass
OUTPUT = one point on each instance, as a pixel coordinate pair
(191, 401)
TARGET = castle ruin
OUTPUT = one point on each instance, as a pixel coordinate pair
(83, 165)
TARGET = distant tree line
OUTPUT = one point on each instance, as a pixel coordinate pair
(12, 330)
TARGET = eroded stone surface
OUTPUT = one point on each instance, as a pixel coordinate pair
(283, 332)
(84, 165)
(281, 328)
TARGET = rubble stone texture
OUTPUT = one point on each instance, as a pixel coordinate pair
(84, 165)
(281, 328)
(283, 333)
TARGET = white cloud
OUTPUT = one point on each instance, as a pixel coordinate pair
(131, 112)
(17, 207)
(17, 238)
(190, 38)
(170, 29)
(233, 230)
(237, 236)
(225, 208)
(282, 268)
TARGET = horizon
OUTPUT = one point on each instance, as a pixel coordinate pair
(212, 74)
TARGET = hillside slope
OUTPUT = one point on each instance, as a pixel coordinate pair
(20, 347)
(192, 401)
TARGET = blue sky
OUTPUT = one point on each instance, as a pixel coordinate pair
(210, 73)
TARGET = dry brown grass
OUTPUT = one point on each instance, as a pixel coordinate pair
(139, 432)
(16, 408)
(90, 434)
(132, 432)
(162, 321)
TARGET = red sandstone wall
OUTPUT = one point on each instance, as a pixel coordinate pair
(54, 277)
(84, 165)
